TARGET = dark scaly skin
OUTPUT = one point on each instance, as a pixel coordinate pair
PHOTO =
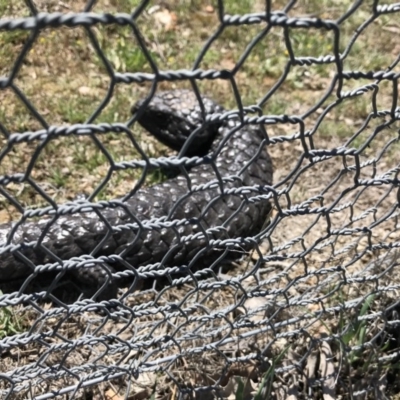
(171, 117)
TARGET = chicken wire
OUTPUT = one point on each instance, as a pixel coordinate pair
(321, 281)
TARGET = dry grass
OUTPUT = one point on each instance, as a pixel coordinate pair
(295, 302)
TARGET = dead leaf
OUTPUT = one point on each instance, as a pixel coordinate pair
(142, 387)
(393, 29)
(327, 371)
(237, 387)
(5, 216)
(311, 367)
(84, 90)
(257, 308)
(166, 18)
(110, 394)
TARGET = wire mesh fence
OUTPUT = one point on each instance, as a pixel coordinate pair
(307, 306)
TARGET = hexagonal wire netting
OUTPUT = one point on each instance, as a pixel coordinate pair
(310, 305)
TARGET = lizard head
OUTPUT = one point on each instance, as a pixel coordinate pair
(172, 116)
